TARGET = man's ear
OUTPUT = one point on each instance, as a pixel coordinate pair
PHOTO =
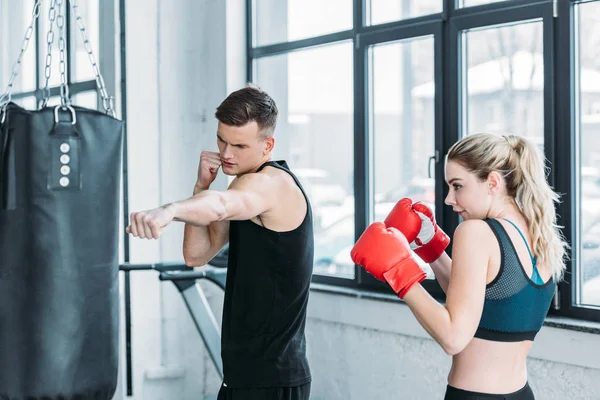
(269, 144)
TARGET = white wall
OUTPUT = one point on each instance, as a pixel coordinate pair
(176, 77)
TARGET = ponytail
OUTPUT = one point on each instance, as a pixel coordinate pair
(536, 200)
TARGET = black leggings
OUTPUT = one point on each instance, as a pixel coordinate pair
(286, 393)
(453, 393)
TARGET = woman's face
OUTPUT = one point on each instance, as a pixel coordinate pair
(470, 197)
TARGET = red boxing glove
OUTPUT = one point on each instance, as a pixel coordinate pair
(403, 218)
(431, 241)
(385, 254)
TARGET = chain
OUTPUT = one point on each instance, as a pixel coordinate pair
(65, 99)
(49, 41)
(107, 101)
(7, 96)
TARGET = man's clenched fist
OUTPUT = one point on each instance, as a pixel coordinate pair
(149, 224)
(210, 162)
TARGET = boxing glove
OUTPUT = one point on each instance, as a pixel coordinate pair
(431, 240)
(403, 218)
(385, 253)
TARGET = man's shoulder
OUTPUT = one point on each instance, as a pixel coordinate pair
(255, 181)
(268, 178)
(278, 177)
(272, 172)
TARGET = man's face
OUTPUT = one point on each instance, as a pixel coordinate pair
(242, 148)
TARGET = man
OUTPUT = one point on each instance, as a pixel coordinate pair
(266, 217)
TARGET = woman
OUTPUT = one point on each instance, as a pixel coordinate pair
(508, 255)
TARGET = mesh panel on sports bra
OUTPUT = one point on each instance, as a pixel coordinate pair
(510, 279)
(514, 307)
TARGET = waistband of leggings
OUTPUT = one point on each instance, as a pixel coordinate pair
(452, 389)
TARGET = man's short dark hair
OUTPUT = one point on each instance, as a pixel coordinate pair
(246, 105)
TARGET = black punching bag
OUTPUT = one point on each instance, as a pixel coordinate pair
(60, 174)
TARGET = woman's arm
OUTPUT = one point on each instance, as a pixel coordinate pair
(442, 268)
(454, 325)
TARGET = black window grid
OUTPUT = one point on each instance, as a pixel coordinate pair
(445, 27)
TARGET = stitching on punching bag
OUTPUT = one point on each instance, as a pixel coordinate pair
(8, 167)
(9, 170)
(3, 165)
(11, 175)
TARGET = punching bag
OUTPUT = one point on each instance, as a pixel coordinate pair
(60, 171)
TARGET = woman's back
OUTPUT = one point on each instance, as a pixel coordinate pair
(495, 362)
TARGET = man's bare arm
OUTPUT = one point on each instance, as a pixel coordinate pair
(202, 243)
(246, 198)
(209, 210)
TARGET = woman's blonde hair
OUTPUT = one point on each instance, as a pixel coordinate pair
(521, 164)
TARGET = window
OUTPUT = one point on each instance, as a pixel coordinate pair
(401, 81)
(471, 3)
(82, 69)
(587, 121)
(27, 102)
(503, 81)
(88, 99)
(382, 11)
(402, 122)
(313, 91)
(288, 20)
(29, 85)
(48, 22)
(16, 17)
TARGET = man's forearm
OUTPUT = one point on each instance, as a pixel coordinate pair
(441, 268)
(197, 242)
(202, 209)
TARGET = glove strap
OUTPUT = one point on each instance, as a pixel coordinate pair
(403, 276)
(418, 279)
(434, 248)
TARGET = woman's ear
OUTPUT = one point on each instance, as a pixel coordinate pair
(494, 181)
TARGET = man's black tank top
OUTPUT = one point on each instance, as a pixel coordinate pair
(266, 296)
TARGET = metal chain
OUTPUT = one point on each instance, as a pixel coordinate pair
(7, 96)
(65, 98)
(107, 101)
(49, 41)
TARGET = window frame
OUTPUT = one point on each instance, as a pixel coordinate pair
(566, 170)
(446, 28)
